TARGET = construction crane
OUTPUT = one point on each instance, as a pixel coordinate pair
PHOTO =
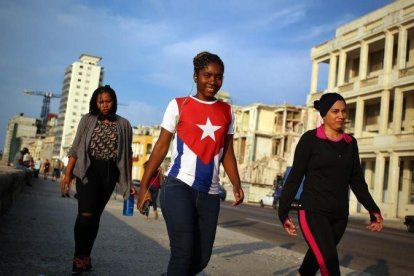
(45, 106)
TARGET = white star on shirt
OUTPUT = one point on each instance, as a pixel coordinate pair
(208, 130)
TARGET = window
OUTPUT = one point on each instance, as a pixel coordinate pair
(275, 147)
(242, 150)
(376, 60)
(412, 182)
(401, 177)
(386, 173)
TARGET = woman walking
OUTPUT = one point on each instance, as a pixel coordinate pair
(203, 129)
(100, 156)
(328, 158)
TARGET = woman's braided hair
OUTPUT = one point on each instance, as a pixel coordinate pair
(201, 60)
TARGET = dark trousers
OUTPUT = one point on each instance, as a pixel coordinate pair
(191, 218)
(154, 197)
(92, 199)
(36, 173)
(322, 233)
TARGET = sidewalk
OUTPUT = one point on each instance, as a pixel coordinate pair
(36, 238)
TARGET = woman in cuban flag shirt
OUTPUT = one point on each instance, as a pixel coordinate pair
(202, 127)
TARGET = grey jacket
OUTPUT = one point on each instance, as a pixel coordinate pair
(80, 145)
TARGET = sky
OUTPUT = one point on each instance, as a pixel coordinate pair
(147, 48)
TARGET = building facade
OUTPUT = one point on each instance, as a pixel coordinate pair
(264, 139)
(81, 78)
(20, 131)
(143, 141)
(370, 62)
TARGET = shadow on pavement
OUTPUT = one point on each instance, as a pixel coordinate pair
(36, 237)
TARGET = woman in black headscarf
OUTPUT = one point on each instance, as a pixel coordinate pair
(328, 158)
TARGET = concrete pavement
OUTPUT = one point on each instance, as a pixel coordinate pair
(36, 238)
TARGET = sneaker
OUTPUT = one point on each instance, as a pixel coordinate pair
(67, 195)
(62, 195)
(78, 266)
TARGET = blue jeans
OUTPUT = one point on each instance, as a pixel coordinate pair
(191, 218)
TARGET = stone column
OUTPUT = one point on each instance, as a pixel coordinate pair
(359, 117)
(354, 205)
(402, 47)
(394, 174)
(389, 45)
(398, 105)
(379, 177)
(384, 111)
(363, 61)
(341, 69)
(332, 72)
(405, 199)
(314, 77)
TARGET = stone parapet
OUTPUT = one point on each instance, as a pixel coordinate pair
(11, 183)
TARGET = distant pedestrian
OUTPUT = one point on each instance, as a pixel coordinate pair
(203, 127)
(57, 167)
(37, 165)
(328, 158)
(19, 164)
(46, 169)
(155, 184)
(65, 188)
(100, 157)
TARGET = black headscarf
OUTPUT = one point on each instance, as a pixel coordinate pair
(326, 102)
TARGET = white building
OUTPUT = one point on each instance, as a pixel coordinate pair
(81, 78)
(371, 63)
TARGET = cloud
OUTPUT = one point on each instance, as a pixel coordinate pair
(141, 113)
(147, 48)
(281, 18)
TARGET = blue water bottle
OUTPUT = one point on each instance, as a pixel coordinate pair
(129, 206)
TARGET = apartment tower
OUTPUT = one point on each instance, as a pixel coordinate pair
(81, 78)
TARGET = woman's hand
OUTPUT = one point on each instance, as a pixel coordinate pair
(377, 224)
(65, 183)
(238, 195)
(134, 191)
(144, 196)
(290, 227)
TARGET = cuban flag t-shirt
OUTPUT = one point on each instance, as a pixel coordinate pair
(200, 129)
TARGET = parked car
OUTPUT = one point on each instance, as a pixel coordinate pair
(279, 188)
(269, 200)
(409, 222)
(222, 193)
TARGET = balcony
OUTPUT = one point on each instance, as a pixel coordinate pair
(369, 81)
(346, 87)
(409, 71)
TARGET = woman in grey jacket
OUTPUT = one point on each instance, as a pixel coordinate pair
(100, 156)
